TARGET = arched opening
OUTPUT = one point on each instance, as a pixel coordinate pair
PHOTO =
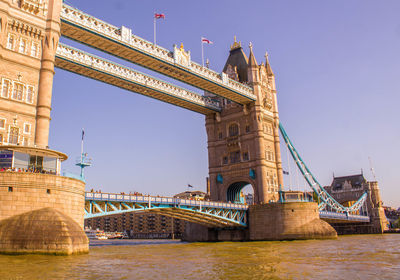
(240, 192)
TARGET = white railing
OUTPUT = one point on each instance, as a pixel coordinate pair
(162, 200)
(77, 56)
(124, 36)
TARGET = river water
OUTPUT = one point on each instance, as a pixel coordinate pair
(348, 257)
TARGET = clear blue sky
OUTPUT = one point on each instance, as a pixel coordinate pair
(337, 72)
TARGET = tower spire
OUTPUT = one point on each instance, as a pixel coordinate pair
(252, 59)
(268, 66)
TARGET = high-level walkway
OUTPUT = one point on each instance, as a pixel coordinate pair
(177, 64)
(88, 65)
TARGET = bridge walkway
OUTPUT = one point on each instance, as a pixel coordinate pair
(120, 42)
(88, 65)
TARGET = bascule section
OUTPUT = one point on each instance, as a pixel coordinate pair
(243, 140)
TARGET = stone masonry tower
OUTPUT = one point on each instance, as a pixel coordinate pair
(243, 141)
(29, 34)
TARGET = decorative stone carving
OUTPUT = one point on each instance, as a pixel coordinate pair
(182, 57)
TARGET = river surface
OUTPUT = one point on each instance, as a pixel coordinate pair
(348, 257)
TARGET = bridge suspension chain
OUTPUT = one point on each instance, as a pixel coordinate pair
(326, 200)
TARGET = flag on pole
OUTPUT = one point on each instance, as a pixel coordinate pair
(83, 133)
(158, 16)
(205, 40)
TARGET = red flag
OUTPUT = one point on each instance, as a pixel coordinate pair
(157, 16)
(204, 40)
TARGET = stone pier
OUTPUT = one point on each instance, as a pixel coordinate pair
(273, 221)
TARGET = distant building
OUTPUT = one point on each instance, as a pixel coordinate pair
(347, 190)
(392, 215)
(196, 195)
(139, 225)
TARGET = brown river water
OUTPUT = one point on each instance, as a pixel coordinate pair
(348, 257)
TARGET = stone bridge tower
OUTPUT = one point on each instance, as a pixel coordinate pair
(243, 141)
(29, 34)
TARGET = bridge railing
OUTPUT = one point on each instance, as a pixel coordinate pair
(162, 200)
(123, 36)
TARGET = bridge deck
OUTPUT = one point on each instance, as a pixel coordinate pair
(119, 42)
(211, 214)
(94, 67)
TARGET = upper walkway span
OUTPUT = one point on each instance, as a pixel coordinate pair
(88, 65)
(177, 64)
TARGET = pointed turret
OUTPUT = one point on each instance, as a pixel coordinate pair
(237, 59)
(252, 59)
(268, 66)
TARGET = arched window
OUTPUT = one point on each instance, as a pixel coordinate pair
(233, 130)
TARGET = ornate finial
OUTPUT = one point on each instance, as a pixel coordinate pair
(181, 46)
(266, 55)
(207, 63)
(236, 44)
(251, 46)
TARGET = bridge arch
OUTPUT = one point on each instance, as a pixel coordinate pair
(232, 190)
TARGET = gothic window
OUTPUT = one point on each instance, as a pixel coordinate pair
(11, 42)
(5, 89)
(22, 46)
(2, 123)
(17, 91)
(245, 156)
(29, 94)
(220, 135)
(13, 135)
(1, 138)
(225, 160)
(233, 130)
(247, 128)
(235, 157)
(27, 128)
(25, 141)
(34, 50)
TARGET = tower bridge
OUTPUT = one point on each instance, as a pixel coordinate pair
(240, 105)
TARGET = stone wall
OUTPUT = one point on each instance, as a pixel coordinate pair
(21, 192)
(273, 221)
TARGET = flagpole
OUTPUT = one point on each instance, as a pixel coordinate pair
(202, 51)
(155, 29)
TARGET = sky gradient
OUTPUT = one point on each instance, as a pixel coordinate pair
(337, 73)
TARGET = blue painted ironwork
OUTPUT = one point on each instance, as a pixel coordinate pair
(213, 214)
(327, 202)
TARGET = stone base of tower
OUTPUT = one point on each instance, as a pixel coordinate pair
(41, 213)
(44, 231)
(274, 221)
(288, 221)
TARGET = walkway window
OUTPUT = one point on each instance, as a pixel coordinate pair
(5, 89)
(13, 135)
(233, 130)
(18, 91)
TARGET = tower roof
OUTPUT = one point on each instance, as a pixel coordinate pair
(239, 59)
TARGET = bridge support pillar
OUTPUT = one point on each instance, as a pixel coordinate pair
(273, 221)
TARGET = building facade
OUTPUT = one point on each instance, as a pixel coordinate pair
(139, 225)
(347, 190)
(243, 140)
